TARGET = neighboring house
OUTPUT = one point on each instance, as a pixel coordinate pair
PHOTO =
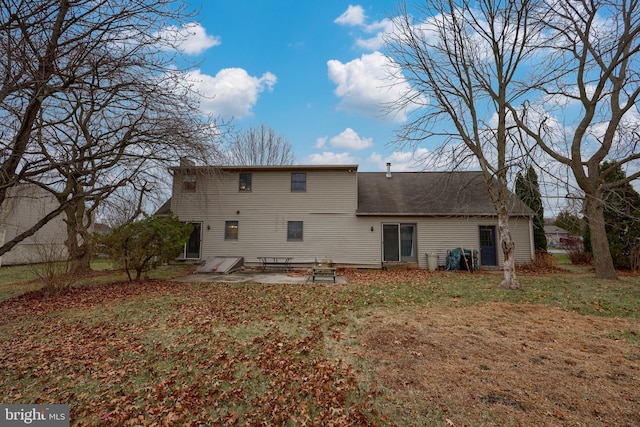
(355, 219)
(102, 229)
(555, 234)
(24, 206)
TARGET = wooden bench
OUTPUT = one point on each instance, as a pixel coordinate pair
(276, 262)
(323, 272)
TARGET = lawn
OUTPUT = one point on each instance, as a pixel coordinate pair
(404, 347)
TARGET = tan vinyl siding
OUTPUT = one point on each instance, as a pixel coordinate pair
(441, 234)
(327, 209)
(522, 235)
(24, 207)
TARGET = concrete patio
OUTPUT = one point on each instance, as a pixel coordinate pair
(250, 275)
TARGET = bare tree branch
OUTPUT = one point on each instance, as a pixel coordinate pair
(466, 58)
(92, 102)
(260, 146)
(596, 56)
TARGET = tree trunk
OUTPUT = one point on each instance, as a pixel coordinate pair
(508, 248)
(80, 262)
(79, 252)
(594, 209)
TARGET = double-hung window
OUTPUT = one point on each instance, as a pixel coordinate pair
(189, 182)
(294, 231)
(299, 181)
(231, 230)
(245, 182)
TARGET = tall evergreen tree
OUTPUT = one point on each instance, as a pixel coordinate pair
(621, 216)
(569, 221)
(528, 189)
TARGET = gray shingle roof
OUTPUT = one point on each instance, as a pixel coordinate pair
(428, 193)
(165, 209)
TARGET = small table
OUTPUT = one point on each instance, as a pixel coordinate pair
(276, 262)
(324, 272)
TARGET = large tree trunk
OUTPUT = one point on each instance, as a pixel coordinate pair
(594, 209)
(508, 248)
(78, 244)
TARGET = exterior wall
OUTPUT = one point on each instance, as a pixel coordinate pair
(330, 227)
(553, 239)
(327, 209)
(441, 234)
(21, 210)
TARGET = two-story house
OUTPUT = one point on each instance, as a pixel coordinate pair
(355, 219)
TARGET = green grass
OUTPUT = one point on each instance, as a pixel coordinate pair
(19, 279)
(216, 353)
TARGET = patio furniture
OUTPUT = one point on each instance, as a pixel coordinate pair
(323, 272)
(276, 262)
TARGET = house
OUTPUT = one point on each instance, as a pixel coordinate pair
(355, 219)
(24, 206)
(102, 229)
(555, 235)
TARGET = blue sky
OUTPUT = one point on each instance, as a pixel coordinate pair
(313, 72)
(310, 70)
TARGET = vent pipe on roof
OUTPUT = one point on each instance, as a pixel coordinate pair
(388, 170)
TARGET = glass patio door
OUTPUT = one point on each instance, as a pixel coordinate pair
(399, 243)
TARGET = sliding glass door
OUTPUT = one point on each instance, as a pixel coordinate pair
(399, 243)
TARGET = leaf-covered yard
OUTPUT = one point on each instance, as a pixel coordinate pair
(390, 348)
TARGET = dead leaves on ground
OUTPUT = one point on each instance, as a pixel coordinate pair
(180, 354)
(507, 364)
(162, 353)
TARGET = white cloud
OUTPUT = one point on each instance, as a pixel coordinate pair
(329, 158)
(401, 161)
(191, 38)
(372, 43)
(420, 159)
(368, 86)
(375, 159)
(350, 140)
(353, 16)
(230, 93)
(380, 28)
(321, 143)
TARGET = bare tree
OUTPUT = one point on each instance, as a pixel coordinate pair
(594, 51)
(462, 60)
(112, 138)
(260, 146)
(122, 207)
(91, 102)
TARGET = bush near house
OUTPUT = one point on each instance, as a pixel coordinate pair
(144, 245)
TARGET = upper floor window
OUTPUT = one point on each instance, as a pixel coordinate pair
(299, 181)
(294, 230)
(245, 182)
(188, 182)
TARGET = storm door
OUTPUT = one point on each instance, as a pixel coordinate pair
(488, 245)
(399, 243)
(192, 247)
